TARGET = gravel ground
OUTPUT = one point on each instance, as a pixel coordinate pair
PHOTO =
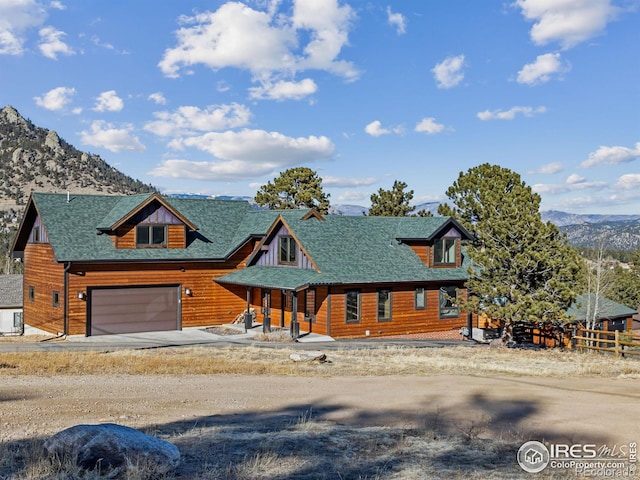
(195, 411)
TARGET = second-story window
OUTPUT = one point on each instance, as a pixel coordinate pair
(287, 249)
(444, 251)
(151, 236)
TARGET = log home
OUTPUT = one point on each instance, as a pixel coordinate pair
(99, 265)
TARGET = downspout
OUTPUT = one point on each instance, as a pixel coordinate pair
(329, 310)
(65, 319)
(469, 318)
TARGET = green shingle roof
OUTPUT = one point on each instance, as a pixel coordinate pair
(351, 249)
(72, 227)
(607, 308)
(122, 207)
(345, 249)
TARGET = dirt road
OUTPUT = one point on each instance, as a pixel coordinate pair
(578, 410)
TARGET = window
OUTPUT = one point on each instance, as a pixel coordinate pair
(151, 236)
(384, 305)
(352, 306)
(55, 298)
(32, 293)
(35, 236)
(17, 320)
(288, 249)
(420, 298)
(449, 302)
(444, 251)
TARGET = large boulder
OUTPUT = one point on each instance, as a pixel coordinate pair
(109, 446)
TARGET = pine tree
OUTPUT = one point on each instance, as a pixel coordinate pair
(392, 203)
(298, 187)
(523, 269)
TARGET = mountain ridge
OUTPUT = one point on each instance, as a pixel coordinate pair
(37, 159)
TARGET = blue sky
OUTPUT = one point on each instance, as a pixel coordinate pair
(218, 97)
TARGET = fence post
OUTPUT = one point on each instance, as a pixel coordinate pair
(617, 343)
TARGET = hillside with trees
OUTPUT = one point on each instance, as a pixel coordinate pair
(37, 159)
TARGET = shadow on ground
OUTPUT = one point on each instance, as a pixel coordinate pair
(476, 438)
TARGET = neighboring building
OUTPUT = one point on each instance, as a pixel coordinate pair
(11, 305)
(610, 316)
(113, 264)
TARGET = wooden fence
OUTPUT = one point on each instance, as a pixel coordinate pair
(617, 342)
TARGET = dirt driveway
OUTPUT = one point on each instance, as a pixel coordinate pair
(181, 408)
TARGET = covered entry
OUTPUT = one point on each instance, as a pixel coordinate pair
(113, 310)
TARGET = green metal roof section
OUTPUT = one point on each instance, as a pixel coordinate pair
(607, 308)
(123, 206)
(354, 250)
(73, 234)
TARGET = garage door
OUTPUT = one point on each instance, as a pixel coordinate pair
(133, 309)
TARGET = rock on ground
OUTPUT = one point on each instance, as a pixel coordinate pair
(110, 446)
(309, 356)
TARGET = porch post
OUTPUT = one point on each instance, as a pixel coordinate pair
(295, 326)
(248, 321)
(266, 322)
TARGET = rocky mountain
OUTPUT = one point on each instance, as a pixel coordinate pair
(562, 219)
(37, 159)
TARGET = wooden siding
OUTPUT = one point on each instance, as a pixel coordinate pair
(405, 318)
(125, 236)
(46, 276)
(209, 304)
(177, 236)
(37, 223)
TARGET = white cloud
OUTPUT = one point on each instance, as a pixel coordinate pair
(16, 18)
(354, 196)
(510, 114)
(158, 98)
(612, 156)
(51, 43)
(343, 182)
(574, 178)
(269, 44)
(56, 99)
(244, 154)
(284, 90)
(448, 73)
(573, 183)
(109, 102)
(375, 129)
(57, 5)
(430, 126)
(629, 181)
(188, 120)
(542, 69)
(548, 169)
(397, 20)
(568, 22)
(105, 135)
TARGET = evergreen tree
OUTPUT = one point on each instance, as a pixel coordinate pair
(523, 268)
(298, 187)
(625, 286)
(391, 203)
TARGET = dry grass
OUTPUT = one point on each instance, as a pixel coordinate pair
(302, 445)
(342, 362)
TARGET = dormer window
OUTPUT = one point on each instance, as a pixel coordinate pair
(151, 236)
(444, 251)
(287, 249)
